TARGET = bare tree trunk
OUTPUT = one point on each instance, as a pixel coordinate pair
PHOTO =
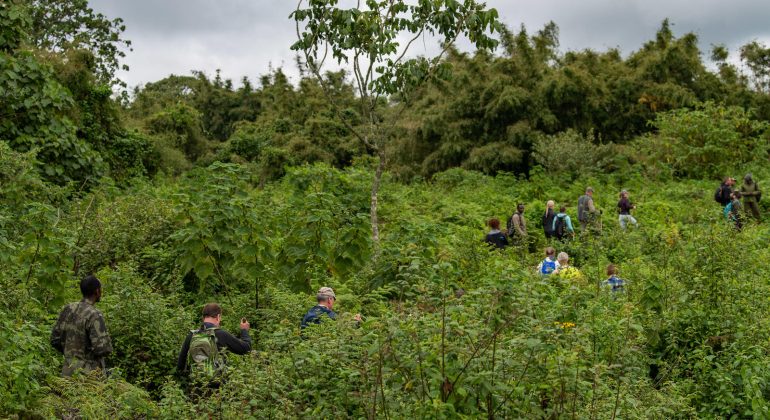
(375, 192)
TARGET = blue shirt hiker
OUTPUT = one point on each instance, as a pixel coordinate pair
(315, 314)
(615, 283)
(562, 225)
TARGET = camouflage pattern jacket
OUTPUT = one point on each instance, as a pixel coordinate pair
(81, 335)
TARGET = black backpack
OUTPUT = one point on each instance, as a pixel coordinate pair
(559, 228)
(718, 195)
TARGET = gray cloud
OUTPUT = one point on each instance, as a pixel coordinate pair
(246, 37)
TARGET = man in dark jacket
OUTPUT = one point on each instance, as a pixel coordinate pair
(80, 333)
(723, 193)
(324, 309)
(212, 318)
(548, 217)
(496, 238)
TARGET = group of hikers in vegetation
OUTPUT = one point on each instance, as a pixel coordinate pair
(558, 225)
(730, 199)
(81, 335)
(559, 265)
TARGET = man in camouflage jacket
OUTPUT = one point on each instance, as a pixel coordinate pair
(80, 332)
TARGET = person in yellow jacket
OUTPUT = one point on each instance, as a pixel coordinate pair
(566, 271)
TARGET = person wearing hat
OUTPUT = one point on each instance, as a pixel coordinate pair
(751, 195)
(587, 213)
(624, 208)
(326, 299)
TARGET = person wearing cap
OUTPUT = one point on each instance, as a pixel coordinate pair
(586, 209)
(751, 195)
(326, 299)
(624, 208)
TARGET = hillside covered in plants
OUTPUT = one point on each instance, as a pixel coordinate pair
(255, 194)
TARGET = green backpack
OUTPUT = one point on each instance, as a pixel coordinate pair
(204, 357)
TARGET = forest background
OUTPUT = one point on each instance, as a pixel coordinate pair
(195, 188)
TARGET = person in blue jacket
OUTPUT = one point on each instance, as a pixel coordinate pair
(549, 264)
(562, 225)
(324, 309)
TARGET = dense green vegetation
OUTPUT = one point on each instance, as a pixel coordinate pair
(198, 190)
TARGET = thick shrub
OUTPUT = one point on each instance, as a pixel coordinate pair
(708, 141)
(572, 154)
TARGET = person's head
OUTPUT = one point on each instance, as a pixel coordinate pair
(520, 208)
(326, 297)
(563, 258)
(494, 224)
(562, 209)
(624, 194)
(212, 313)
(748, 179)
(91, 288)
(550, 252)
(550, 204)
(612, 270)
(589, 191)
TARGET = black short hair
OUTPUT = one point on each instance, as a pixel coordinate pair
(89, 285)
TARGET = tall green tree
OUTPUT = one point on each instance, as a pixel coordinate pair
(756, 56)
(367, 38)
(60, 26)
(34, 106)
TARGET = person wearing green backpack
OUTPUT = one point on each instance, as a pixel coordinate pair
(202, 353)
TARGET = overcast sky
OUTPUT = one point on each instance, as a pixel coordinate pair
(247, 37)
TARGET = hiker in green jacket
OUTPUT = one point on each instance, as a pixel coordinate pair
(751, 195)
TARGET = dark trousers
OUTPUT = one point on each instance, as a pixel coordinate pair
(752, 209)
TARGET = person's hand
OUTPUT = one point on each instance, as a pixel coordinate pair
(357, 317)
(245, 324)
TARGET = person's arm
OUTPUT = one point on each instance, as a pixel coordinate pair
(591, 208)
(235, 345)
(181, 363)
(57, 334)
(100, 340)
(569, 223)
